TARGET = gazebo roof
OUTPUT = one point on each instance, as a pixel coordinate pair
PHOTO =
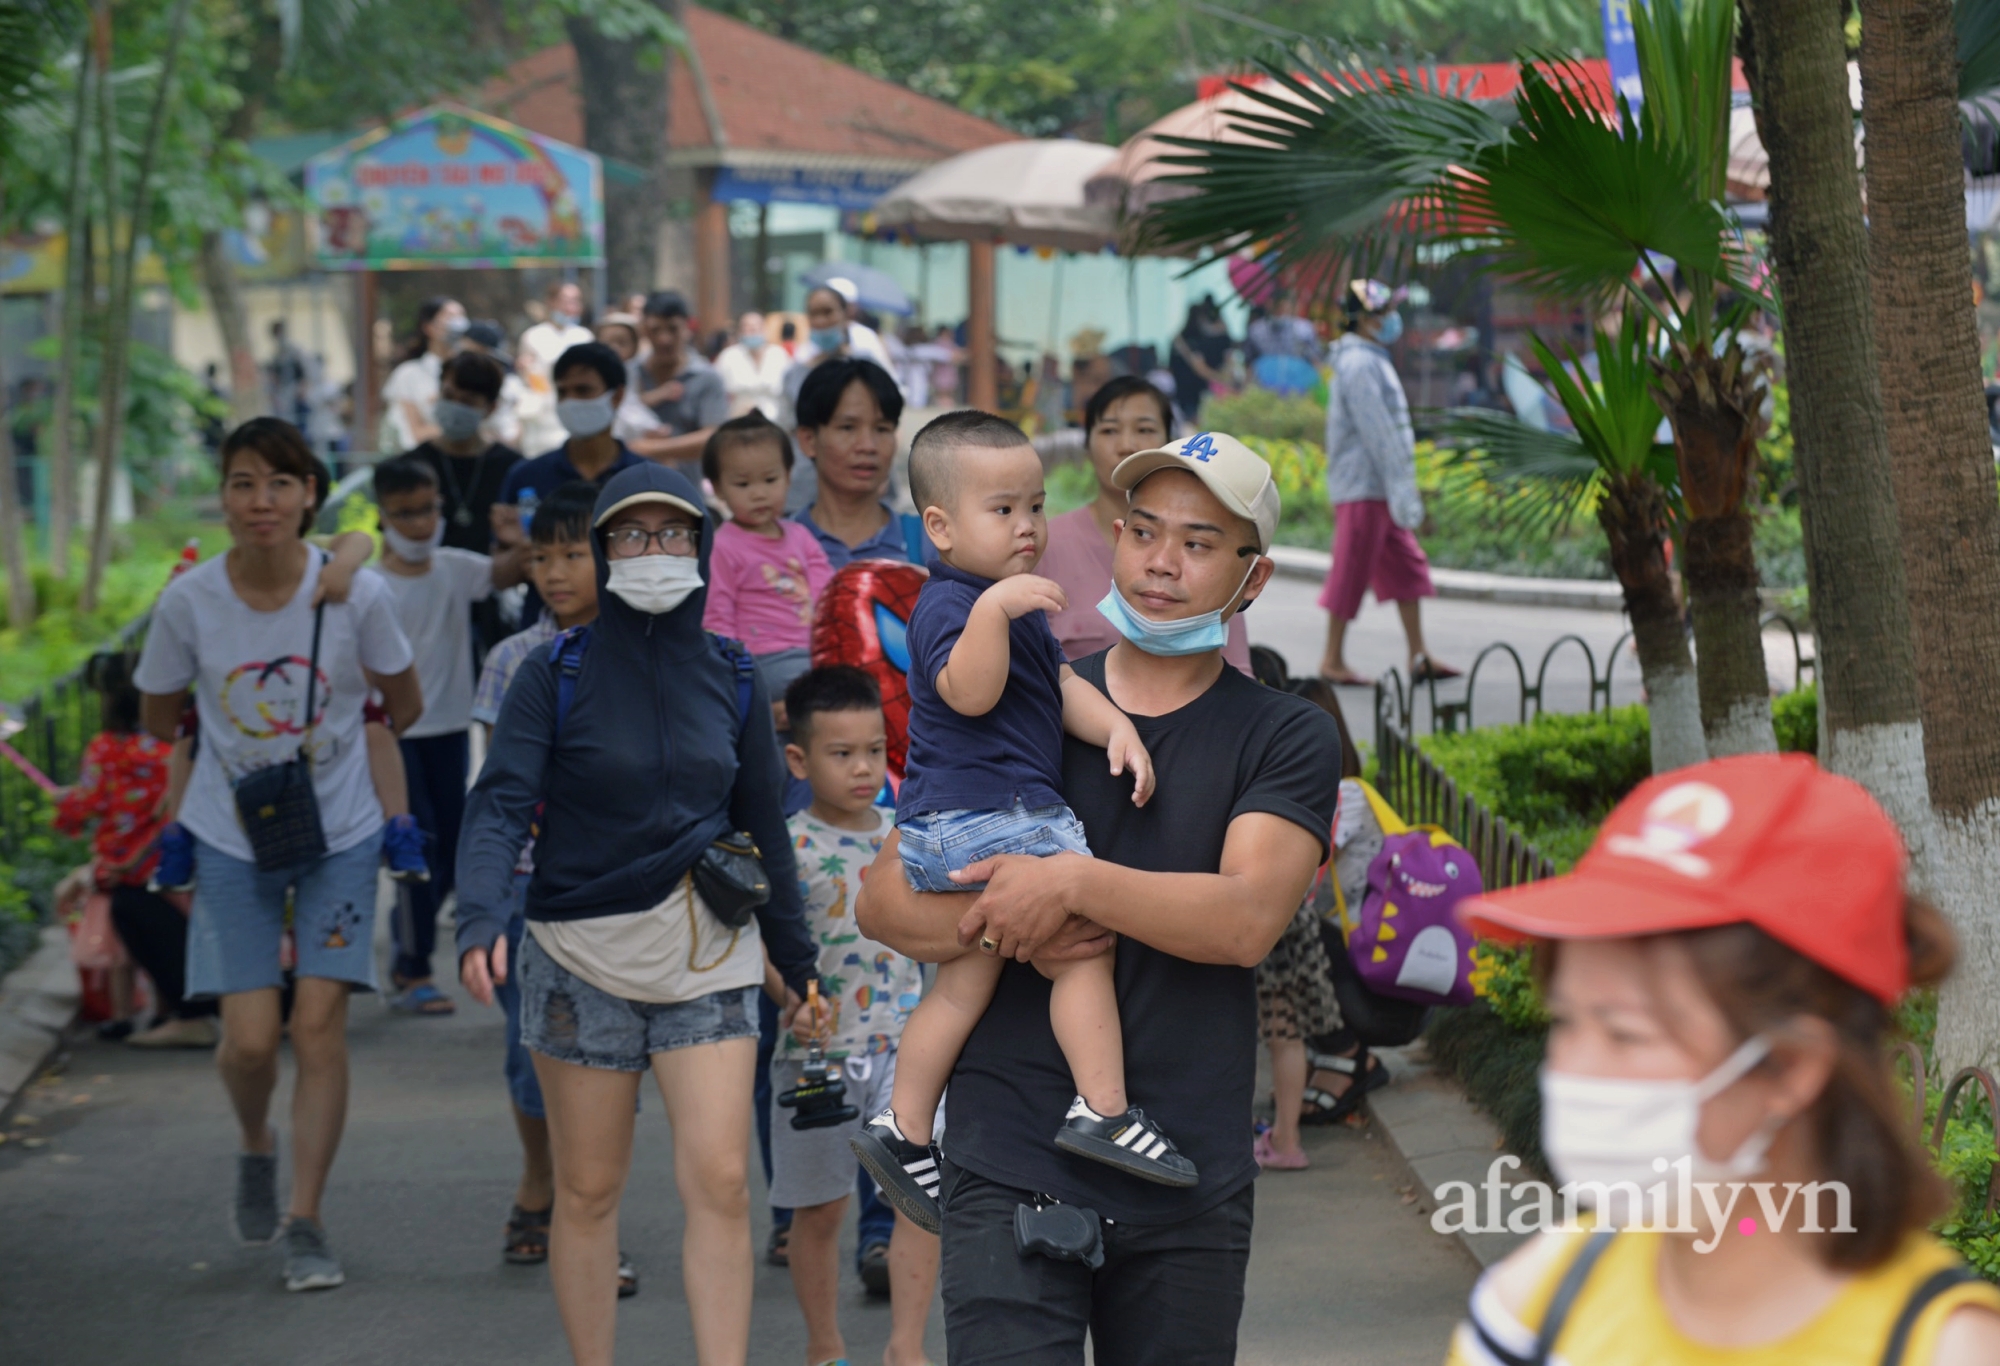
(770, 103)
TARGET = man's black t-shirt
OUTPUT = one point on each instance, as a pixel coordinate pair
(1190, 1028)
(469, 485)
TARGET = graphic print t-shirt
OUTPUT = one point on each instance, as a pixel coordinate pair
(874, 987)
(248, 672)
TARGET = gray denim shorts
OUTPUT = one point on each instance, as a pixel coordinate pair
(568, 1019)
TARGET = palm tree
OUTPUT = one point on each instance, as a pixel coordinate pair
(1919, 60)
(1357, 164)
(1611, 465)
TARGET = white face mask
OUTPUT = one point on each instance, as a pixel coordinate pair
(406, 549)
(1614, 1129)
(585, 416)
(655, 583)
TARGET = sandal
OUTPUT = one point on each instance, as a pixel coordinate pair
(1321, 1106)
(1270, 1159)
(1424, 669)
(778, 1252)
(527, 1241)
(1347, 679)
(424, 999)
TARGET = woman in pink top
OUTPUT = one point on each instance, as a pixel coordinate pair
(1126, 416)
(764, 572)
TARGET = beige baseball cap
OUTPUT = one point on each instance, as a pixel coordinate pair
(1235, 474)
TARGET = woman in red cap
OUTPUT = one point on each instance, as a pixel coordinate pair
(1719, 972)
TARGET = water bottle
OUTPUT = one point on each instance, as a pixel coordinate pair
(527, 503)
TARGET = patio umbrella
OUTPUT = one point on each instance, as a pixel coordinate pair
(1029, 193)
(877, 289)
(1129, 183)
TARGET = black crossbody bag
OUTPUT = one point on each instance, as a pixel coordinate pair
(277, 805)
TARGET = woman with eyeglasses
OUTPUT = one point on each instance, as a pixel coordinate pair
(644, 741)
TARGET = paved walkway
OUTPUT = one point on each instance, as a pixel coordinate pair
(119, 1252)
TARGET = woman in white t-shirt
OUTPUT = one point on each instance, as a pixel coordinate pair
(242, 632)
(412, 390)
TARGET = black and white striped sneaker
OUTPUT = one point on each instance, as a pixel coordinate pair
(907, 1172)
(1130, 1142)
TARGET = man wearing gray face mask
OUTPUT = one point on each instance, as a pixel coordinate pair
(470, 469)
(589, 385)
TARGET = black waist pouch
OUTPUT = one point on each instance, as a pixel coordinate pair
(277, 805)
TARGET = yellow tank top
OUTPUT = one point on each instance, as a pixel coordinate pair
(1618, 1319)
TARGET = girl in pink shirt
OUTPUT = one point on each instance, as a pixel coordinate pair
(764, 573)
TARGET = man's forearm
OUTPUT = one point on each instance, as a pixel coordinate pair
(672, 448)
(919, 925)
(1202, 917)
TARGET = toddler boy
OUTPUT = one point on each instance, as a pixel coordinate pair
(839, 747)
(990, 701)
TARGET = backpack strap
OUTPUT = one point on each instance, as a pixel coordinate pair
(1921, 1299)
(1556, 1317)
(566, 653)
(745, 665)
(1385, 814)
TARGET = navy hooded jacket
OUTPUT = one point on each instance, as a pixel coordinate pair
(653, 763)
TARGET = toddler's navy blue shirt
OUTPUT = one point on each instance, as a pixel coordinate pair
(981, 763)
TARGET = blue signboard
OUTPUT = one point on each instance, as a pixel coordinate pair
(1621, 48)
(845, 189)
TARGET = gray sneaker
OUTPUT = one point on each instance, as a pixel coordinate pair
(309, 1265)
(256, 1213)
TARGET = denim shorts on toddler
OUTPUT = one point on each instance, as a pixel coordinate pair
(938, 843)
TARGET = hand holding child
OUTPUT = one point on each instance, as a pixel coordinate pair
(1126, 752)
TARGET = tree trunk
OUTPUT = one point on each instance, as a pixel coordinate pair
(13, 554)
(1715, 405)
(624, 87)
(75, 303)
(1941, 461)
(1870, 727)
(118, 313)
(1633, 513)
(225, 300)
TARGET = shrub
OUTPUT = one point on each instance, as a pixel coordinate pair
(1259, 412)
(1795, 716)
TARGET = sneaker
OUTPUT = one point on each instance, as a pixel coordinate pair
(628, 1277)
(874, 1266)
(403, 848)
(907, 1172)
(309, 1263)
(1130, 1142)
(175, 870)
(256, 1212)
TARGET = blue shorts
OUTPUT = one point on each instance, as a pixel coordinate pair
(568, 1019)
(938, 843)
(238, 920)
(522, 1085)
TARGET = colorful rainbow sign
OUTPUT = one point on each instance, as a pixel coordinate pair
(453, 188)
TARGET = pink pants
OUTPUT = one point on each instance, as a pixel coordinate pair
(1370, 551)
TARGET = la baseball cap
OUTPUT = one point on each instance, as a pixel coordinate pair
(1238, 477)
(1771, 840)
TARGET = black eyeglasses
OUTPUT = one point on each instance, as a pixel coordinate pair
(630, 542)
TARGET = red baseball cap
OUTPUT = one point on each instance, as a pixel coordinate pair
(1770, 840)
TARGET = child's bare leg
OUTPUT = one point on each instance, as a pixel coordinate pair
(934, 1037)
(385, 768)
(122, 991)
(1083, 1012)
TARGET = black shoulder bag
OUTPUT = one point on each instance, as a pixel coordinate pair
(277, 805)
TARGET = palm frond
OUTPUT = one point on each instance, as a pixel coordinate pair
(1575, 198)
(1685, 68)
(1551, 474)
(1337, 169)
(1978, 25)
(32, 32)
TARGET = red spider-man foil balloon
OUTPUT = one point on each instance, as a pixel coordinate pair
(863, 619)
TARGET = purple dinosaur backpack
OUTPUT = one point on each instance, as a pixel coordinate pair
(1405, 940)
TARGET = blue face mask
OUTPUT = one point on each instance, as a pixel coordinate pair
(1171, 639)
(829, 338)
(1392, 330)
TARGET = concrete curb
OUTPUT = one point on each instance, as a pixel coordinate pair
(1296, 562)
(37, 1002)
(1440, 1137)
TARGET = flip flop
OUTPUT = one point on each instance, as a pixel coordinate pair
(1350, 679)
(424, 999)
(1424, 669)
(1270, 1159)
